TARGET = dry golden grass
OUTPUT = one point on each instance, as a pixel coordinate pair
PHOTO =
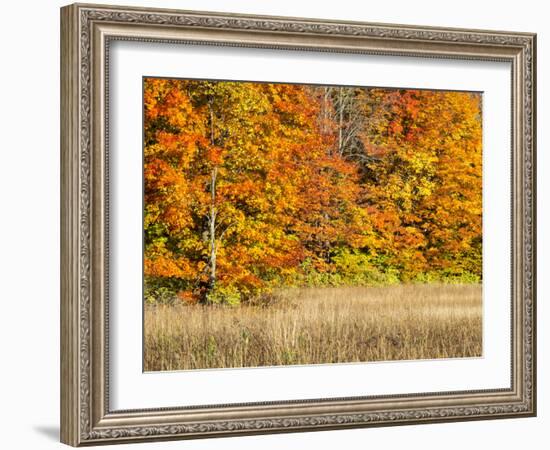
(319, 325)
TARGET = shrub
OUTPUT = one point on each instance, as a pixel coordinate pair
(164, 291)
(224, 295)
(447, 277)
(356, 267)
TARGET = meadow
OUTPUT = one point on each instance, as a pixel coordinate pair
(318, 326)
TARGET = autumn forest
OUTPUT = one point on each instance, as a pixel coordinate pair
(258, 192)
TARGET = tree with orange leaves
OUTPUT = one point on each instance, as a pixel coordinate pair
(239, 187)
(424, 183)
(250, 186)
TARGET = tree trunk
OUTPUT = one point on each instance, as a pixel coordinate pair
(212, 219)
(212, 215)
(325, 115)
(340, 120)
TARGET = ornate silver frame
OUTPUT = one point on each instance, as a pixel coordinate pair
(86, 31)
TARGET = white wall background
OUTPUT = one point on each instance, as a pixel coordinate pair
(29, 222)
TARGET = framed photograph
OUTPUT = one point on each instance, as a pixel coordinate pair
(276, 224)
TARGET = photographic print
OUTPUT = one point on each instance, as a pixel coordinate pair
(306, 204)
(294, 224)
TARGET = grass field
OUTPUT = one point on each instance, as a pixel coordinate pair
(319, 325)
